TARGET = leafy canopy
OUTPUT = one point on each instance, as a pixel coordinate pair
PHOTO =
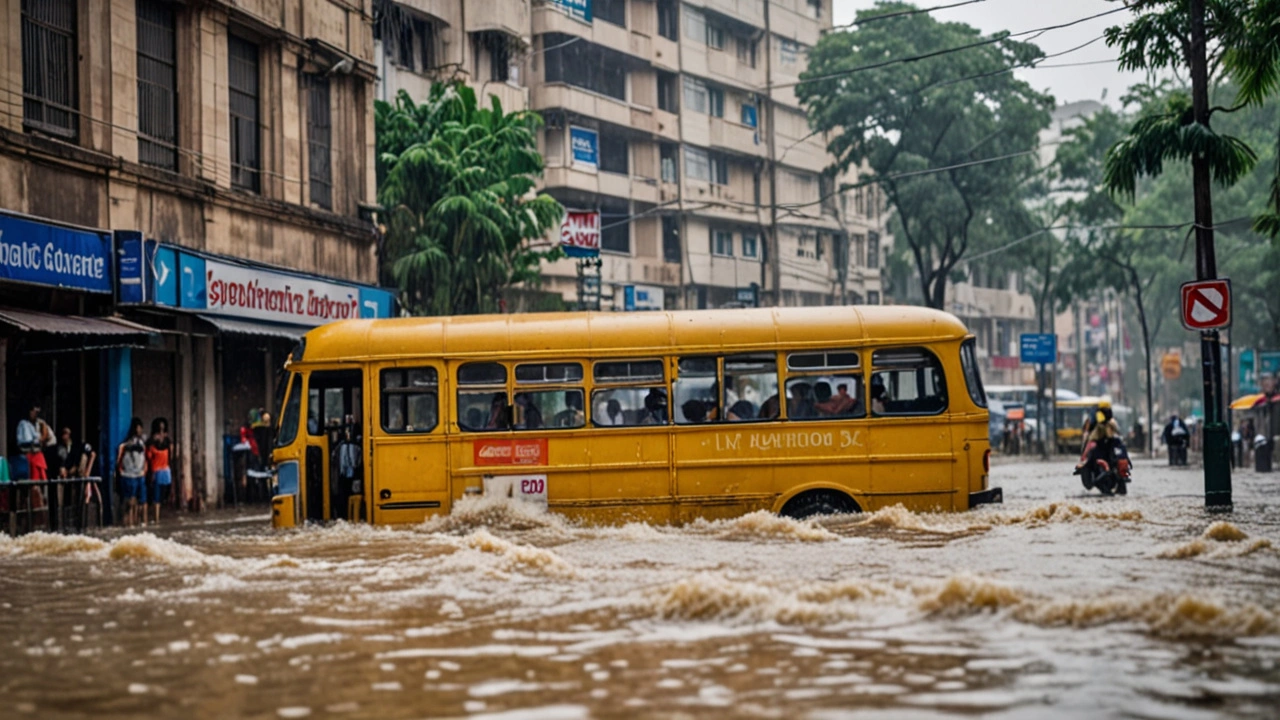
(1243, 47)
(939, 112)
(457, 181)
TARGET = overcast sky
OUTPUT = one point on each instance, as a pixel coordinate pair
(1066, 84)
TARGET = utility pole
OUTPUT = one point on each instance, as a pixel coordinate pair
(1217, 435)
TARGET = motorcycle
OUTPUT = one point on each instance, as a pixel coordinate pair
(1107, 468)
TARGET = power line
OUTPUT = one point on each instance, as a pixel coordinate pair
(902, 13)
(1037, 32)
(1041, 231)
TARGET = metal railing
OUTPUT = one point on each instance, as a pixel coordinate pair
(58, 505)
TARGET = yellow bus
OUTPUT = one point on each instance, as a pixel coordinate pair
(657, 416)
(1069, 419)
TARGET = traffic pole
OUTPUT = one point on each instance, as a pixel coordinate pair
(1217, 436)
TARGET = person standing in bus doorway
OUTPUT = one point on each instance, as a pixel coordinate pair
(131, 464)
(159, 476)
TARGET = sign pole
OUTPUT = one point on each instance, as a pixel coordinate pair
(1053, 409)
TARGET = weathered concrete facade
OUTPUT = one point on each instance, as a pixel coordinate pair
(696, 125)
(95, 178)
(241, 128)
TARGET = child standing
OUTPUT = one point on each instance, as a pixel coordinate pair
(131, 464)
(158, 449)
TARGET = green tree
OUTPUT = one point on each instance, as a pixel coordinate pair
(907, 120)
(457, 181)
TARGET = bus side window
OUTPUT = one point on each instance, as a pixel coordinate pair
(409, 400)
(482, 397)
(695, 390)
(824, 384)
(907, 381)
(628, 393)
(549, 396)
(750, 383)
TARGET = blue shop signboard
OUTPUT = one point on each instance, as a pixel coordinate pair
(186, 280)
(580, 9)
(54, 255)
(585, 145)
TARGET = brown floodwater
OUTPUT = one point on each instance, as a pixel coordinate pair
(1057, 604)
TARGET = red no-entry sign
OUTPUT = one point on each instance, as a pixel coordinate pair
(1206, 304)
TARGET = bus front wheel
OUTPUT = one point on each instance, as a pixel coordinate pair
(819, 502)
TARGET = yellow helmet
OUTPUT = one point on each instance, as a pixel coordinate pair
(1104, 403)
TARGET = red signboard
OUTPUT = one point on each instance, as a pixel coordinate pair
(580, 233)
(1206, 304)
(511, 452)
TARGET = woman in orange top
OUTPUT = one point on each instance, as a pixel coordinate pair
(158, 449)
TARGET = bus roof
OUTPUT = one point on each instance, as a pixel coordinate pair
(614, 333)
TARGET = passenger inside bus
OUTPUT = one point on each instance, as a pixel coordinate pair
(498, 413)
(528, 416)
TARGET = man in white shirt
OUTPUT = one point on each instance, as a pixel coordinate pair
(33, 434)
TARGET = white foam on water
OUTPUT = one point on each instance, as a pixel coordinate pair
(545, 712)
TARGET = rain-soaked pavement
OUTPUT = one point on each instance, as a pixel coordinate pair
(1058, 604)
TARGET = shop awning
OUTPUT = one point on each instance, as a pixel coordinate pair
(1249, 401)
(262, 329)
(40, 322)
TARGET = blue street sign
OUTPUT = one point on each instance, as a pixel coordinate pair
(580, 9)
(35, 252)
(1039, 348)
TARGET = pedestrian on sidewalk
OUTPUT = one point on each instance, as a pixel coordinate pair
(160, 477)
(131, 465)
(33, 434)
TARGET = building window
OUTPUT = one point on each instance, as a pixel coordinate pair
(50, 55)
(611, 11)
(873, 249)
(697, 164)
(615, 226)
(695, 25)
(584, 65)
(715, 102)
(749, 116)
(496, 47)
(750, 245)
(613, 154)
(815, 9)
(157, 85)
(668, 97)
(722, 243)
(719, 169)
(857, 243)
(319, 141)
(242, 81)
(668, 13)
(667, 153)
(695, 94)
(746, 50)
(873, 297)
(715, 37)
(425, 33)
(671, 238)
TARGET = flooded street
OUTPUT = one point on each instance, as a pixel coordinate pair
(1057, 604)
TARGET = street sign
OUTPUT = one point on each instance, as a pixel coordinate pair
(1206, 304)
(1039, 348)
(1171, 366)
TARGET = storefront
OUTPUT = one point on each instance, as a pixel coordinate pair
(236, 322)
(60, 346)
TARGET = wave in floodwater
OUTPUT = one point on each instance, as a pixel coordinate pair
(1220, 540)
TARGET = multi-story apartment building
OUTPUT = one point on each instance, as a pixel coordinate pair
(235, 134)
(679, 123)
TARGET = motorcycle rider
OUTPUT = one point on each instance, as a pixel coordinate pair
(1102, 433)
(1175, 438)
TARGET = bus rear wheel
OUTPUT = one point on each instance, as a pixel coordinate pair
(819, 502)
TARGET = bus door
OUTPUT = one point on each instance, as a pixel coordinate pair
(409, 473)
(334, 462)
(911, 447)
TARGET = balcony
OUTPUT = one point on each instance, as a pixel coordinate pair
(512, 97)
(735, 137)
(668, 125)
(747, 11)
(602, 183)
(508, 16)
(666, 53)
(583, 102)
(549, 19)
(724, 67)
